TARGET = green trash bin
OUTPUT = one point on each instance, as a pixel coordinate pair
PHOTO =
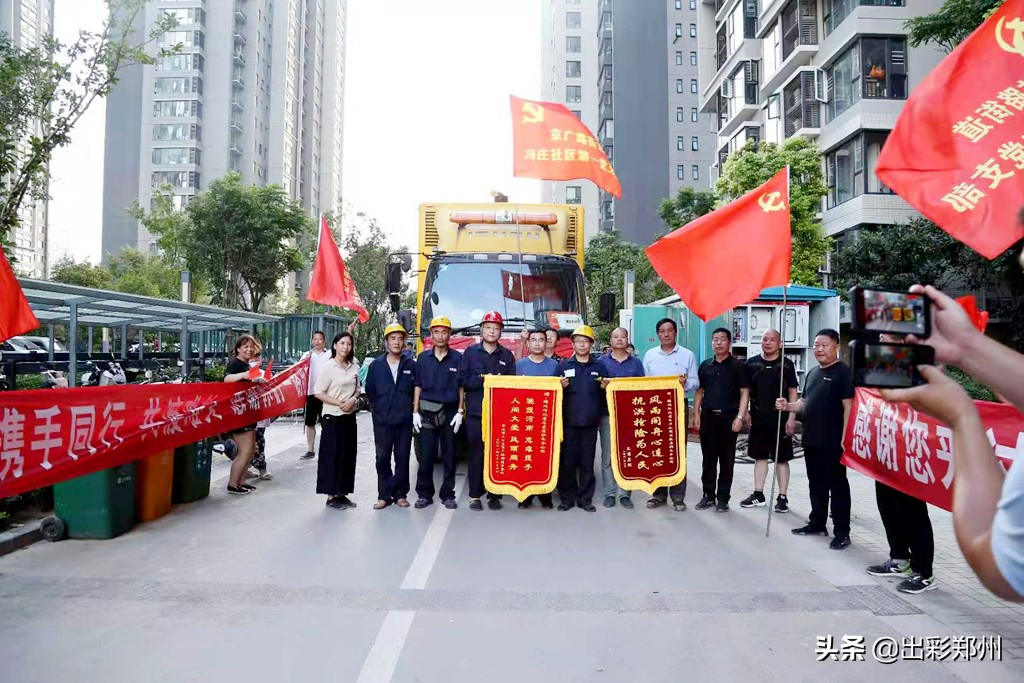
(192, 472)
(98, 505)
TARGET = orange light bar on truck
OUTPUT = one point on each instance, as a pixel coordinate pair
(464, 218)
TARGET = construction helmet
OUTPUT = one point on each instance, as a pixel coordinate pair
(493, 317)
(440, 321)
(584, 331)
(394, 327)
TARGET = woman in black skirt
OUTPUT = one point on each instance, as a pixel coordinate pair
(337, 386)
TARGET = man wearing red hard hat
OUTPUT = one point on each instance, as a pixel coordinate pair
(486, 358)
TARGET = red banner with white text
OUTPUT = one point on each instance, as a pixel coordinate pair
(52, 435)
(647, 422)
(911, 452)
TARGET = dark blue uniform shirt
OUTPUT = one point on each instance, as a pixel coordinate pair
(391, 401)
(477, 362)
(584, 396)
(438, 380)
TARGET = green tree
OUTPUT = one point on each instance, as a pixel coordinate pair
(239, 239)
(688, 205)
(154, 275)
(951, 24)
(45, 91)
(608, 257)
(752, 166)
(82, 273)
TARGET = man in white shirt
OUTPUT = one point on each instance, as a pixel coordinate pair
(671, 359)
(318, 355)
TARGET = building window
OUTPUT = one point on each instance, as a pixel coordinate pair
(573, 194)
(873, 68)
(695, 172)
(573, 70)
(573, 44)
(177, 108)
(176, 131)
(680, 143)
(850, 168)
(681, 172)
(679, 58)
(679, 4)
(694, 143)
(693, 114)
(175, 155)
(835, 11)
(693, 86)
(693, 4)
(679, 114)
(576, 112)
(693, 59)
(679, 30)
(573, 94)
(572, 20)
(679, 85)
(693, 30)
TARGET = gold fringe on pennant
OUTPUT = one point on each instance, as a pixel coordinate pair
(516, 382)
(642, 384)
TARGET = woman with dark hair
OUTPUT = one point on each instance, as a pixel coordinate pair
(246, 349)
(337, 386)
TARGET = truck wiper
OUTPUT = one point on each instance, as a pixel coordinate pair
(475, 327)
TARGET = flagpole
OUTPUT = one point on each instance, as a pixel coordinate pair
(782, 387)
(522, 283)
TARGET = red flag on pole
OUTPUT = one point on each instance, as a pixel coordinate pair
(16, 316)
(550, 143)
(956, 153)
(331, 284)
(725, 258)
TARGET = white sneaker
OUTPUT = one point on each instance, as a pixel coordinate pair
(265, 476)
(251, 474)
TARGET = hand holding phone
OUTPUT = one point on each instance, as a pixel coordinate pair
(886, 365)
(901, 313)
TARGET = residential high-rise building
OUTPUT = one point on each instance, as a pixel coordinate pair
(257, 87)
(28, 22)
(835, 71)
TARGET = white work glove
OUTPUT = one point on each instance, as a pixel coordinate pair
(456, 422)
(417, 422)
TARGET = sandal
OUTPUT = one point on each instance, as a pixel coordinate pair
(654, 503)
(402, 503)
(381, 504)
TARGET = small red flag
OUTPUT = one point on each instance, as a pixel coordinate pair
(16, 316)
(331, 284)
(957, 151)
(550, 143)
(267, 373)
(725, 258)
(970, 306)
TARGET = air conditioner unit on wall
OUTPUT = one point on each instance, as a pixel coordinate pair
(725, 90)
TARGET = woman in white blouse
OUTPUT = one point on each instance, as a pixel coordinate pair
(337, 386)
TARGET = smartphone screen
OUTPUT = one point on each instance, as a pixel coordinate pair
(892, 366)
(902, 313)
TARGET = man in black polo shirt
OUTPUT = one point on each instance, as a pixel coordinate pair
(582, 399)
(828, 396)
(720, 409)
(765, 443)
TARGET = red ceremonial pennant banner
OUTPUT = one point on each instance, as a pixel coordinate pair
(911, 452)
(522, 430)
(957, 150)
(646, 418)
(51, 435)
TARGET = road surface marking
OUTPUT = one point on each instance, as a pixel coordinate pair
(379, 665)
(430, 547)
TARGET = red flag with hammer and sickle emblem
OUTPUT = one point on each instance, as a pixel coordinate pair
(725, 258)
(331, 283)
(957, 151)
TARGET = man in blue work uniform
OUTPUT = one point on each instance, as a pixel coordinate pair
(389, 386)
(537, 364)
(617, 363)
(486, 358)
(436, 415)
(581, 416)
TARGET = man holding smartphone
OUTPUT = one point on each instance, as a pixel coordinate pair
(825, 406)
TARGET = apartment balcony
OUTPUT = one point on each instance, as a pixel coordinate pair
(801, 110)
(606, 111)
(606, 56)
(798, 42)
(240, 17)
(238, 37)
(236, 104)
(239, 58)
(236, 127)
(604, 31)
(237, 81)
(747, 51)
(740, 109)
(235, 151)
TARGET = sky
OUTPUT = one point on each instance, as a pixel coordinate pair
(426, 113)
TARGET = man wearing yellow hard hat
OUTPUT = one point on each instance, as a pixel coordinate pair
(583, 397)
(436, 414)
(390, 383)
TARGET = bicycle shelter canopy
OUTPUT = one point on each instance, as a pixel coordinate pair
(58, 303)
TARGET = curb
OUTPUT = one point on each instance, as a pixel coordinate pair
(20, 537)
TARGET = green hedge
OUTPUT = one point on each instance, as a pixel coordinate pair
(974, 388)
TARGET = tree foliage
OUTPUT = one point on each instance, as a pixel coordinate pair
(239, 239)
(608, 257)
(951, 24)
(688, 205)
(130, 271)
(752, 166)
(45, 91)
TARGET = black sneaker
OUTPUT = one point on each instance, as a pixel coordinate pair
(248, 487)
(587, 507)
(422, 503)
(808, 530)
(839, 542)
(526, 504)
(609, 501)
(562, 507)
(335, 503)
(475, 504)
(346, 501)
(917, 584)
(450, 504)
(493, 504)
(308, 456)
(782, 504)
(237, 490)
(705, 503)
(890, 567)
(722, 506)
(626, 502)
(754, 500)
(545, 502)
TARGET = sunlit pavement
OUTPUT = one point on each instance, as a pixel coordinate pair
(277, 587)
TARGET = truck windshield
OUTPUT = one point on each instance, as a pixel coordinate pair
(465, 290)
